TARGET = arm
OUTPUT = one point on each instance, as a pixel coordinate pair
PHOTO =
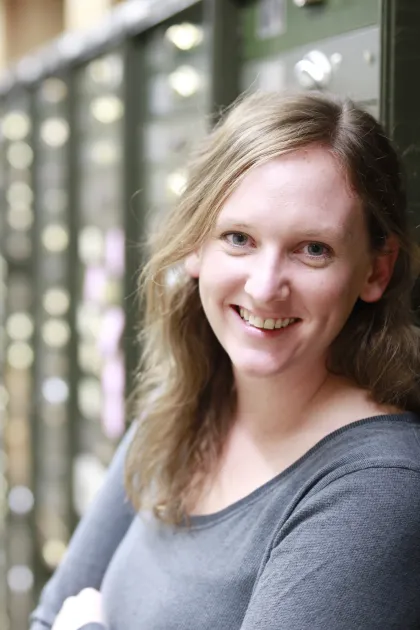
(93, 544)
(348, 558)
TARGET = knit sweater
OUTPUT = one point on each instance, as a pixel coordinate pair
(331, 543)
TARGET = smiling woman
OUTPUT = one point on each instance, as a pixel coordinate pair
(275, 273)
(274, 473)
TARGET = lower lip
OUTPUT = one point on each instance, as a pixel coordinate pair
(262, 332)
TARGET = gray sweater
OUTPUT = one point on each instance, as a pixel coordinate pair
(332, 543)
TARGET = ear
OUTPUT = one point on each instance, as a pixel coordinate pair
(192, 264)
(381, 271)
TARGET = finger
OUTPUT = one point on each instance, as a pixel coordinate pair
(63, 619)
(91, 599)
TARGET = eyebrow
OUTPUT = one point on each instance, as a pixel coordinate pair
(327, 233)
(233, 225)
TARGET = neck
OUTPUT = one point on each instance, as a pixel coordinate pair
(278, 406)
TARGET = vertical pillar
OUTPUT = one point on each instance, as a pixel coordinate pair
(223, 19)
(400, 89)
(400, 98)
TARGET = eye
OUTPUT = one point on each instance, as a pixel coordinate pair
(237, 239)
(318, 250)
(316, 253)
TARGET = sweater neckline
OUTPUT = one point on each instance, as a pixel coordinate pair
(202, 520)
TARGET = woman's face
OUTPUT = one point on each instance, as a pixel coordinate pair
(287, 260)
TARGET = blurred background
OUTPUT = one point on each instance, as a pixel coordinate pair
(100, 103)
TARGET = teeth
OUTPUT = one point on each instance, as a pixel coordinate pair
(267, 324)
(258, 322)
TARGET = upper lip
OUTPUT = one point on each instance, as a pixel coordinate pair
(265, 315)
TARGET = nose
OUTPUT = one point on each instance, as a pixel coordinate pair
(268, 282)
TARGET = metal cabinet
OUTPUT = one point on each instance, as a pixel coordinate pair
(323, 47)
(94, 146)
(176, 107)
(100, 268)
(53, 332)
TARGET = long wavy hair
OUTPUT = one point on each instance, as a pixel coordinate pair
(184, 384)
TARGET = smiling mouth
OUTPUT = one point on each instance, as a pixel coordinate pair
(266, 324)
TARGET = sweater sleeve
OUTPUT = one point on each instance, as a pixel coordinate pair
(348, 558)
(93, 544)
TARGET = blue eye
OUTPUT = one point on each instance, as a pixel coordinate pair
(318, 250)
(237, 239)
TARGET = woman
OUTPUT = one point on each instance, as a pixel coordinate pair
(275, 474)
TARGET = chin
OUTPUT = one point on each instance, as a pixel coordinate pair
(262, 368)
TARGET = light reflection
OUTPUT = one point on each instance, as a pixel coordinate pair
(20, 217)
(56, 301)
(91, 245)
(20, 579)
(56, 333)
(107, 109)
(176, 182)
(106, 71)
(113, 416)
(115, 251)
(94, 285)
(53, 552)
(20, 326)
(55, 390)
(16, 125)
(113, 377)
(185, 81)
(55, 238)
(111, 330)
(105, 152)
(55, 132)
(185, 36)
(114, 291)
(20, 155)
(19, 193)
(20, 355)
(21, 500)
(88, 320)
(89, 359)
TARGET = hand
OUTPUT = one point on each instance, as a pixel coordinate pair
(77, 611)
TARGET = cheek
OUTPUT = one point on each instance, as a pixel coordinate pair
(220, 276)
(334, 293)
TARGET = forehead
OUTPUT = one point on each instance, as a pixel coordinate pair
(306, 188)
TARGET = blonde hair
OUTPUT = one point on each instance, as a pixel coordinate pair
(185, 383)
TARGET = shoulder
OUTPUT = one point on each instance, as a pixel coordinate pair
(386, 440)
(370, 468)
(372, 462)
(368, 508)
